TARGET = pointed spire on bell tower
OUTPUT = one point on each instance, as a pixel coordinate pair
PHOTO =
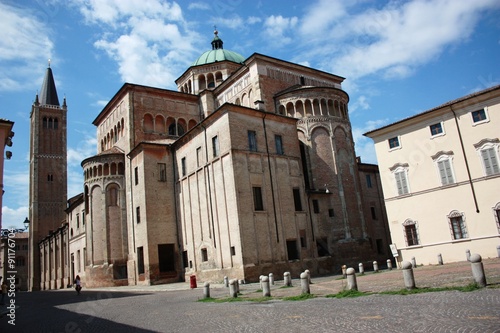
(48, 92)
(216, 42)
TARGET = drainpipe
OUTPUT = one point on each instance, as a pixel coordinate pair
(466, 161)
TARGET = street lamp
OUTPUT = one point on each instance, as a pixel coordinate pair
(26, 223)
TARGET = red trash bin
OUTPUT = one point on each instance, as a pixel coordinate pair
(192, 281)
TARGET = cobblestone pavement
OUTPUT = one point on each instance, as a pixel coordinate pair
(174, 308)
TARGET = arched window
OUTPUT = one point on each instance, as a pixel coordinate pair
(496, 212)
(112, 195)
(410, 232)
(457, 225)
(147, 124)
(55, 123)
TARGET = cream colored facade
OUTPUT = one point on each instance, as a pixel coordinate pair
(441, 179)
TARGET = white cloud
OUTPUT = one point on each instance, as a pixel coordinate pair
(253, 20)
(25, 39)
(199, 5)
(393, 40)
(149, 39)
(360, 103)
(276, 28)
(14, 217)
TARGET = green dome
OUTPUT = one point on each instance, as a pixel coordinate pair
(217, 53)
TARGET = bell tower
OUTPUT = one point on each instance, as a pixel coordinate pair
(48, 171)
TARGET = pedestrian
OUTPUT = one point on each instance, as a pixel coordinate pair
(78, 284)
(4, 291)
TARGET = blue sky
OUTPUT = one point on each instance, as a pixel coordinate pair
(398, 57)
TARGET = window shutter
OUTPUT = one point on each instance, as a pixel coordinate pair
(442, 172)
(494, 161)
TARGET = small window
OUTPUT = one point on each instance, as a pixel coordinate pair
(279, 144)
(479, 117)
(140, 260)
(490, 161)
(457, 225)
(138, 214)
(315, 206)
(372, 210)
(401, 181)
(162, 172)
(233, 251)
(183, 166)
(445, 171)
(436, 129)
(331, 212)
(204, 255)
(257, 199)
(410, 230)
(368, 181)
(394, 143)
(252, 141)
(215, 146)
(77, 221)
(136, 175)
(198, 157)
(302, 233)
(296, 200)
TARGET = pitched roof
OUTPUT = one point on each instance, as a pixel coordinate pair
(48, 92)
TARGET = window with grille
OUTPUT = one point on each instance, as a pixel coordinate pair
(394, 142)
(436, 129)
(479, 116)
(457, 225)
(410, 230)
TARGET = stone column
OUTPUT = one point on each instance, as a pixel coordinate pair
(266, 289)
(361, 268)
(478, 270)
(408, 275)
(375, 267)
(206, 290)
(271, 279)
(389, 264)
(351, 279)
(287, 280)
(304, 283)
(233, 292)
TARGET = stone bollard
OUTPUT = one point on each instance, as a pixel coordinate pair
(408, 275)
(361, 268)
(233, 291)
(389, 264)
(351, 279)
(304, 283)
(241, 281)
(344, 269)
(271, 279)
(498, 251)
(286, 279)
(308, 276)
(375, 266)
(266, 289)
(206, 290)
(478, 270)
(237, 286)
(260, 281)
(467, 254)
(226, 281)
(440, 259)
(413, 263)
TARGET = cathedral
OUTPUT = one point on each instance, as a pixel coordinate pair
(247, 169)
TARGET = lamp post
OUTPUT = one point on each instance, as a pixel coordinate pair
(26, 224)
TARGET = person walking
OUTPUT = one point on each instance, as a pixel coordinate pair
(78, 283)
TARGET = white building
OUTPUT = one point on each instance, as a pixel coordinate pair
(441, 179)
